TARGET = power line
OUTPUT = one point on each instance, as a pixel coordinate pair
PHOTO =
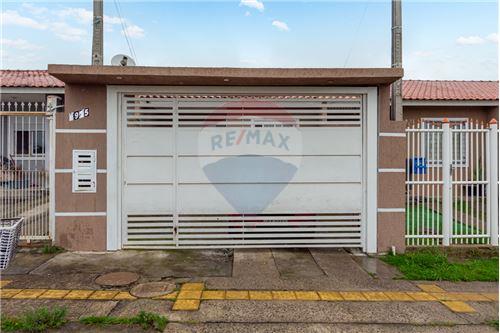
(125, 31)
(356, 35)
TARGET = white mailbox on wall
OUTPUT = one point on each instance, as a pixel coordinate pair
(84, 171)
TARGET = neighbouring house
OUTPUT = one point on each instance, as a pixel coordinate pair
(153, 159)
(25, 149)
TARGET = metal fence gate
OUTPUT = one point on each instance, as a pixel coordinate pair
(451, 183)
(24, 175)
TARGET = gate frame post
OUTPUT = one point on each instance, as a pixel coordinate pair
(446, 171)
(51, 117)
(493, 181)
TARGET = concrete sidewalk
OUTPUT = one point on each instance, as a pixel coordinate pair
(293, 290)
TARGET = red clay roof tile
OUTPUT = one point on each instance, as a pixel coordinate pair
(29, 78)
(412, 89)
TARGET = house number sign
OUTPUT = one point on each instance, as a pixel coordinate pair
(75, 115)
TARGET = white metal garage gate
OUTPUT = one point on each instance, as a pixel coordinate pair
(242, 170)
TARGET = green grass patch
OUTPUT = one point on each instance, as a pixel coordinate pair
(493, 323)
(38, 320)
(144, 319)
(420, 219)
(51, 249)
(434, 265)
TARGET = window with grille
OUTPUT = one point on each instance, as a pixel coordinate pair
(30, 143)
(432, 141)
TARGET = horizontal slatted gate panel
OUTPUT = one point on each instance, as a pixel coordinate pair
(167, 188)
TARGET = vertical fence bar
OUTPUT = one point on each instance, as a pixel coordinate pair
(493, 182)
(446, 171)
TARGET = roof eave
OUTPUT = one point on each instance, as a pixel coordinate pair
(213, 76)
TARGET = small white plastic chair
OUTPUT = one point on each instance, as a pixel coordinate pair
(10, 229)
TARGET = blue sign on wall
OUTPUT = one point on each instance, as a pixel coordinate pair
(419, 165)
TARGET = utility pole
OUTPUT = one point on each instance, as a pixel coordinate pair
(97, 34)
(397, 61)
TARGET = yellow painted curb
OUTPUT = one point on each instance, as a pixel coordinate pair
(237, 294)
(421, 296)
(53, 294)
(352, 296)
(283, 295)
(198, 286)
(491, 296)
(186, 305)
(3, 283)
(124, 296)
(29, 293)
(398, 296)
(79, 294)
(307, 295)
(213, 294)
(375, 296)
(258, 295)
(103, 294)
(8, 293)
(330, 296)
(457, 306)
(189, 294)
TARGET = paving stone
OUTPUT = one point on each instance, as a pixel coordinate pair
(296, 263)
(117, 279)
(75, 308)
(152, 289)
(193, 286)
(283, 295)
(431, 288)
(8, 293)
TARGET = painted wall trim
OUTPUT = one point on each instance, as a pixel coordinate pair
(391, 170)
(80, 214)
(391, 210)
(80, 130)
(71, 170)
(28, 90)
(398, 135)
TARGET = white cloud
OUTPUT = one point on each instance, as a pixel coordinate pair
(134, 31)
(259, 5)
(470, 40)
(423, 53)
(282, 26)
(66, 32)
(33, 9)
(82, 15)
(12, 17)
(19, 44)
(492, 37)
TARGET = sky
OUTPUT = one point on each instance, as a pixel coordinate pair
(453, 40)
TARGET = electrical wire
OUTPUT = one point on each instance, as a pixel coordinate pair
(125, 31)
(356, 35)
